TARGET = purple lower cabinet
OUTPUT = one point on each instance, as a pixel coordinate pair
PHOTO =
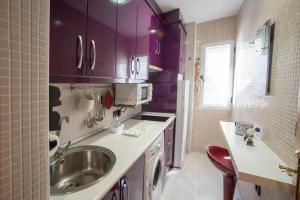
(169, 144)
(113, 194)
(132, 183)
(101, 34)
(67, 38)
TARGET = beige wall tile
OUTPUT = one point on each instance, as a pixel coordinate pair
(276, 113)
(18, 127)
(205, 129)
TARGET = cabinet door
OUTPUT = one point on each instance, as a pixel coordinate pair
(114, 194)
(132, 183)
(126, 39)
(101, 36)
(156, 38)
(169, 148)
(143, 39)
(67, 37)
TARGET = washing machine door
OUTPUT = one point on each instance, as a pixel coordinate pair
(155, 186)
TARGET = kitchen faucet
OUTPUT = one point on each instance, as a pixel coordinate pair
(61, 151)
(59, 155)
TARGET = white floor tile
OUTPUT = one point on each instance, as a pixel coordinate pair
(197, 180)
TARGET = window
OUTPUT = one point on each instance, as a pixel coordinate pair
(217, 70)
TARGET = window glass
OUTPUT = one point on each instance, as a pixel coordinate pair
(217, 76)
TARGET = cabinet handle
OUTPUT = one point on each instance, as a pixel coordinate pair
(124, 185)
(80, 57)
(132, 65)
(93, 48)
(138, 62)
(157, 46)
(114, 196)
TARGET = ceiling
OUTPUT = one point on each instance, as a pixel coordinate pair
(202, 10)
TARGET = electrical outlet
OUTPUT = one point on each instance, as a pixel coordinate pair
(117, 113)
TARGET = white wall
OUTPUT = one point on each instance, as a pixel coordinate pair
(77, 127)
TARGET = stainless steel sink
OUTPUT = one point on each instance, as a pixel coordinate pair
(81, 167)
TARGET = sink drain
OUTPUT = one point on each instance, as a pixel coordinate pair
(71, 185)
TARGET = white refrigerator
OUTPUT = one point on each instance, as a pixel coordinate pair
(183, 88)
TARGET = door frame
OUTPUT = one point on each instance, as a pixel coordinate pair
(297, 134)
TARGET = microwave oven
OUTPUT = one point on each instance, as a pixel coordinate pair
(132, 94)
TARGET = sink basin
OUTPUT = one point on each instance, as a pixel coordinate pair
(151, 118)
(82, 167)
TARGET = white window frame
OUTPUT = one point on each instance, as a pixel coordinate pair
(231, 78)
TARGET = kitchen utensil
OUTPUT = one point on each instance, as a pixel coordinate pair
(102, 104)
(98, 112)
(86, 103)
(108, 100)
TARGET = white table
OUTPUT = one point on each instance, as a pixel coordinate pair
(257, 164)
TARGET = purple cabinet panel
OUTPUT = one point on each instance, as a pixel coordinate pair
(126, 39)
(157, 35)
(101, 34)
(67, 38)
(169, 144)
(133, 39)
(93, 40)
(174, 55)
(143, 39)
(134, 179)
(172, 61)
(164, 92)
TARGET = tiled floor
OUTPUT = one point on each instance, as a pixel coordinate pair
(197, 180)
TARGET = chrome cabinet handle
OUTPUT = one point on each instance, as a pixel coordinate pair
(80, 57)
(124, 185)
(132, 65)
(138, 62)
(157, 47)
(114, 196)
(93, 48)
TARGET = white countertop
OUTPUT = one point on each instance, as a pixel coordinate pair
(257, 164)
(127, 150)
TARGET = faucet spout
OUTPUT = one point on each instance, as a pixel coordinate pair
(62, 151)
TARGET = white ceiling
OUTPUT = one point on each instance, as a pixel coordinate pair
(202, 10)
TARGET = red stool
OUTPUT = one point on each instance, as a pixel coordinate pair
(220, 158)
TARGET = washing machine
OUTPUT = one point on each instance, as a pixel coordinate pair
(154, 168)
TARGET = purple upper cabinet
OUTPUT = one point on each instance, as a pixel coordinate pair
(126, 39)
(157, 34)
(101, 35)
(67, 38)
(143, 39)
(174, 55)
